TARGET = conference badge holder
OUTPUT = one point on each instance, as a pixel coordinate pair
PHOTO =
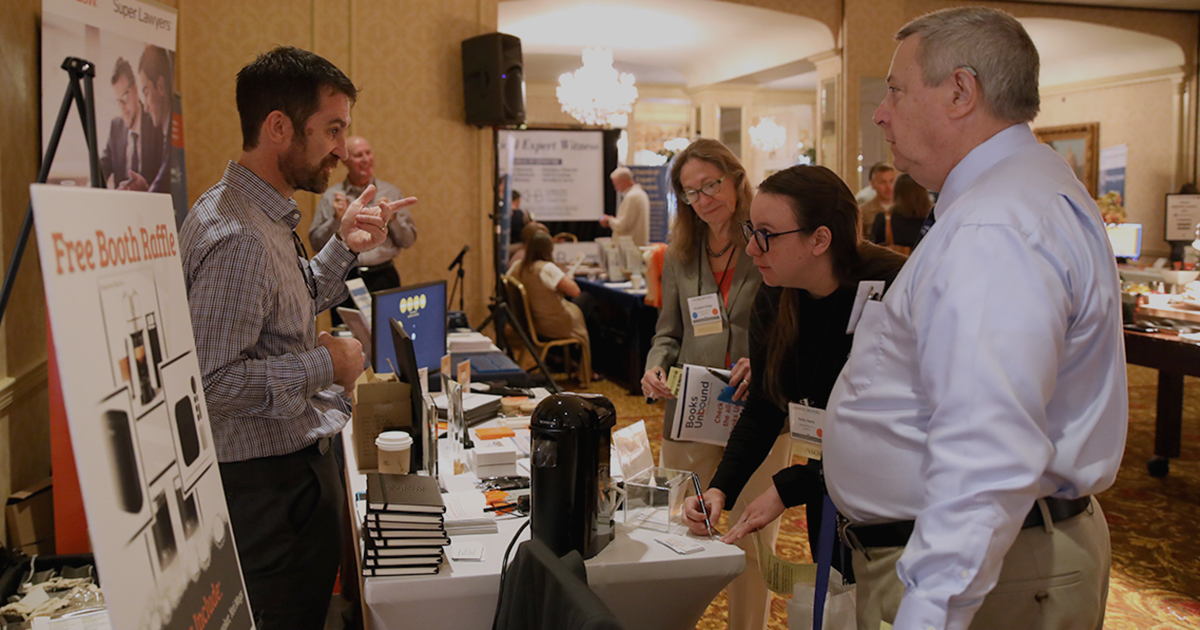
(807, 427)
(705, 313)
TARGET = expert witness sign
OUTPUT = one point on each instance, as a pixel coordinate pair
(560, 174)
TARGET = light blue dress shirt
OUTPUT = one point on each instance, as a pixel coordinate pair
(992, 374)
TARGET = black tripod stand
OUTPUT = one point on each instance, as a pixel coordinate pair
(85, 100)
(500, 313)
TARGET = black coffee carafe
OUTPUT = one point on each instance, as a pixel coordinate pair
(572, 497)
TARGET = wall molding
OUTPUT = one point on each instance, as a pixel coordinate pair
(1164, 74)
(15, 388)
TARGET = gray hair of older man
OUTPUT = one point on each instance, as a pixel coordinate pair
(989, 43)
(621, 173)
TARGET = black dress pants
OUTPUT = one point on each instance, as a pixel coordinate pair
(286, 513)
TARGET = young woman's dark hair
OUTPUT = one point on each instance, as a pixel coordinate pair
(540, 247)
(818, 198)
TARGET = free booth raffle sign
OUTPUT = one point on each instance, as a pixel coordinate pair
(135, 406)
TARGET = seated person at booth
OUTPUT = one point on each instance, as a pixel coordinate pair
(548, 287)
(518, 253)
(898, 228)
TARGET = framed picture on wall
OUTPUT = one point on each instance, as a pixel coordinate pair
(1079, 145)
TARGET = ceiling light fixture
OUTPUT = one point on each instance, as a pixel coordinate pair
(596, 93)
(767, 135)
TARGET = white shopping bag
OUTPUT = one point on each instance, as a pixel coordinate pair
(839, 605)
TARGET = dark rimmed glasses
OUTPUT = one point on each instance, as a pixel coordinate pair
(711, 189)
(761, 237)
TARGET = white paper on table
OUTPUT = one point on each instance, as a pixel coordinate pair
(699, 416)
(633, 449)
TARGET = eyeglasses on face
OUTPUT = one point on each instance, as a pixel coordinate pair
(711, 189)
(761, 237)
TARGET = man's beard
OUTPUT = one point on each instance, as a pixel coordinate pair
(299, 174)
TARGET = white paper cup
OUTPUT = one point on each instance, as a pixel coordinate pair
(394, 448)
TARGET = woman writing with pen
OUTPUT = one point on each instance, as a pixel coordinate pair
(706, 267)
(803, 235)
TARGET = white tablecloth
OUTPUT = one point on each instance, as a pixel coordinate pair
(645, 584)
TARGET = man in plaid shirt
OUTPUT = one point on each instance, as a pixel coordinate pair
(254, 296)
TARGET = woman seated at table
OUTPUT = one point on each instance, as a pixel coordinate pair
(803, 235)
(546, 285)
(518, 252)
(899, 228)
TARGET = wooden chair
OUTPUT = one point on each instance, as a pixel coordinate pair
(518, 300)
(565, 237)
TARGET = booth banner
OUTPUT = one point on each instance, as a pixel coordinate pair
(655, 180)
(134, 400)
(1112, 169)
(139, 124)
(700, 414)
(560, 174)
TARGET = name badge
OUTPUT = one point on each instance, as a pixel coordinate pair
(808, 426)
(706, 314)
(867, 290)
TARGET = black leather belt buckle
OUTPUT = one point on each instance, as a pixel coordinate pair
(1059, 509)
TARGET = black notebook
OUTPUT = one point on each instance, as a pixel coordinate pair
(373, 550)
(386, 571)
(402, 561)
(403, 493)
(391, 525)
(388, 519)
(432, 543)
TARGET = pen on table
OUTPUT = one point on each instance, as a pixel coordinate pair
(703, 507)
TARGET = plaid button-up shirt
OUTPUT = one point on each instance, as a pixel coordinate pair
(266, 380)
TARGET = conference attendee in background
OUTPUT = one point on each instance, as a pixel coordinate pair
(898, 228)
(518, 253)
(883, 179)
(254, 296)
(134, 142)
(519, 219)
(546, 285)
(706, 257)
(377, 267)
(633, 215)
(803, 236)
(155, 77)
(984, 401)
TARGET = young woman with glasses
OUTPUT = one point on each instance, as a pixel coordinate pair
(706, 257)
(804, 238)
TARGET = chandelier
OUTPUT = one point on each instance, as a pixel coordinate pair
(596, 93)
(767, 135)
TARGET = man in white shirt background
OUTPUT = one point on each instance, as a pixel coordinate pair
(633, 215)
(985, 399)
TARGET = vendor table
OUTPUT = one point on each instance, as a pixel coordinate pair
(646, 585)
(625, 329)
(1173, 359)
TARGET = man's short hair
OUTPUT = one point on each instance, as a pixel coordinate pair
(879, 167)
(123, 69)
(288, 80)
(155, 64)
(990, 44)
(516, 195)
(621, 172)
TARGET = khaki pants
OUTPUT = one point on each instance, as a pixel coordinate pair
(749, 599)
(1050, 580)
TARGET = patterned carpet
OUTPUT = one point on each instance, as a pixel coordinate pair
(1156, 554)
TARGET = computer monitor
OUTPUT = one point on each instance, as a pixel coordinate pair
(1126, 239)
(421, 310)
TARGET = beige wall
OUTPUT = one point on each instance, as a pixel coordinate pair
(1150, 135)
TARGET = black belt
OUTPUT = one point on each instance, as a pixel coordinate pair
(897, 533)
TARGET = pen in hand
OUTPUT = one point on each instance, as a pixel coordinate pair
(703, 507)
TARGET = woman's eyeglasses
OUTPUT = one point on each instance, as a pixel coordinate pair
(711, 189)
(761, 237)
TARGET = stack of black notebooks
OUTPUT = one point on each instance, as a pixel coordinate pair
(404, 530)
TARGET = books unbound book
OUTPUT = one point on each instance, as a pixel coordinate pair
(403, 493)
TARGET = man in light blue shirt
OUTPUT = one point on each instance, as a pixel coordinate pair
(984, 400)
